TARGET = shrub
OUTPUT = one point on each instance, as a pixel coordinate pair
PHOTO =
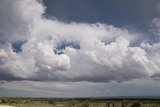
(136, 105)
(51, 101)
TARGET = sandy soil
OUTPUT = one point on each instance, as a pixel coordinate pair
(6, 106)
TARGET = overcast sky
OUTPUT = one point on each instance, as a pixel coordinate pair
(79, 48)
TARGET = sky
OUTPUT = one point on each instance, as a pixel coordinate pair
(79, 48)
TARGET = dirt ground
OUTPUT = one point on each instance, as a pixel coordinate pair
(6, 106)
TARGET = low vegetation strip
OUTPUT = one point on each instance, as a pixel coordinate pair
(53, 102)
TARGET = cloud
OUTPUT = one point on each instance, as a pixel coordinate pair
(143, 87)
(91, 52)
(155, 29)
(18, 18)
(56, 89)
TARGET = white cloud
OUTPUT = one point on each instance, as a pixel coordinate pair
(105, 52)
(18, 18)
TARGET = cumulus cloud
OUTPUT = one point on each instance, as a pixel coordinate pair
(18, 18)
(49, 53)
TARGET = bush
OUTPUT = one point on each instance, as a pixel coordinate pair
(51, 101)
(136, 105)
(3, 101)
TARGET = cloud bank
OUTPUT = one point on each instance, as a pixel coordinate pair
(52, 50)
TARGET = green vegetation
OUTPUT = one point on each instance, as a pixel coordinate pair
(55, 102)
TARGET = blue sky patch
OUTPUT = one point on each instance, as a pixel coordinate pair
(17, 46)
(62, 45)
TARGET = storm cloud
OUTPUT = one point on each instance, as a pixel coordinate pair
(53, 50)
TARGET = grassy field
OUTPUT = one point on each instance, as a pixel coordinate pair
(51, 102)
